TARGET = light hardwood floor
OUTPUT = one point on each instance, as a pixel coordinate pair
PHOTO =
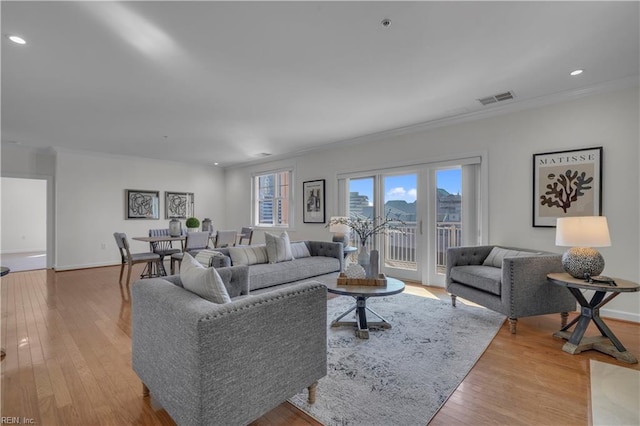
(68, 362)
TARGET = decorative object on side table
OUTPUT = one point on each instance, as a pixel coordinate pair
(364, 228)
(193, 224)
(339, 230)
(581, 233)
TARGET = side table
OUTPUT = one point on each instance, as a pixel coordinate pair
(607, 343)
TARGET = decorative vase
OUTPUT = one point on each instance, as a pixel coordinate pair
(206, 225)
(364, 258)
(175, 229)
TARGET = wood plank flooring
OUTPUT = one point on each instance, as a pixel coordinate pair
(68, 362)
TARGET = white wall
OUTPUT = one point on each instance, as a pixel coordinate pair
(24, 215)
(608, 120)
(90, 197)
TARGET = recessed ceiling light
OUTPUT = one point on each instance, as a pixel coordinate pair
(386, 23)
(17, 40)
(576, 72)
(215, 164)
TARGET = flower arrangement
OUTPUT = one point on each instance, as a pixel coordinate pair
(366, 227)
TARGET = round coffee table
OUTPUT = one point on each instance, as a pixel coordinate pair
(361, 294)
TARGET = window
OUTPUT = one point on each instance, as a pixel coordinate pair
(272, 199)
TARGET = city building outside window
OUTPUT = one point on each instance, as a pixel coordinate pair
(272, 199)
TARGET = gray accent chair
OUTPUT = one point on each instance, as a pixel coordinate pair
(518, 289)
(195, 242)
(130, 259)
(227, 364)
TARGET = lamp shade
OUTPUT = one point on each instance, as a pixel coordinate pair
(338, 228)
(582, 231)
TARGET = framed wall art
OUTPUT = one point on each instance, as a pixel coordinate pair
(566, 183)
(142, 204)
(314, 201)
(178, 205)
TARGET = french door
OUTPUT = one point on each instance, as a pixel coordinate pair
(433, 207)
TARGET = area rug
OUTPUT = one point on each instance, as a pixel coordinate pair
(615, 394)
(403, 375)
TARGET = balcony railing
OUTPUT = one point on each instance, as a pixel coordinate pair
(400, 245)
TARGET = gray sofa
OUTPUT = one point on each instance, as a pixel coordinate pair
(515, 285)
(227, 364)
(326, 257)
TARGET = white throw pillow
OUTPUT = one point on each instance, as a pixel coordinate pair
(205, 282)
(278, 248)
(249, 255)
(299, 250)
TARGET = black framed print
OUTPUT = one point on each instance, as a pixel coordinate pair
(314, 201)
(566, 183)
(178, 205)
(143, 204)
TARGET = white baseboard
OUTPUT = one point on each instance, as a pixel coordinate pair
(620, 315)
(22, 251)
(84, 266)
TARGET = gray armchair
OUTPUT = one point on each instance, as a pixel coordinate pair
(514, 286)
(227, 364)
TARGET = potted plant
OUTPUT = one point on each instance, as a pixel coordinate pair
(193, 224)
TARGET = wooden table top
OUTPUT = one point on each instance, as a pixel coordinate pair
(159, 238)
(564, 279)
(393, 286)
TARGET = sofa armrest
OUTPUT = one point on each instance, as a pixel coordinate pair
(526, 288)
(209, 363)
(235, 279)
(466, 255)
(327, 249)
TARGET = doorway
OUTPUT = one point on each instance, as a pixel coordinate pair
(24, 223)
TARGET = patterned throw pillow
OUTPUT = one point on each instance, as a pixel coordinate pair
(205, 256)
(498, 253)
(278, 248)
(205, 282)
(299, 250)
(248, 255)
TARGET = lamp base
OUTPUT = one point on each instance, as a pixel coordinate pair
(580, 261)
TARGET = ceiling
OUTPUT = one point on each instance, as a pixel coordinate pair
(228, 82)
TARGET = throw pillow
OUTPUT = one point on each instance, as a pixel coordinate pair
(278, 248)
(248, 255)
(498, 254)
(299, 250)
(205, 256)
(205, 282)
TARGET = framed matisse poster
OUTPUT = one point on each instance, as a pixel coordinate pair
(314, 201)
(142, 204)
(566, 183)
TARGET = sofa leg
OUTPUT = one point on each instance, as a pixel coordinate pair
(145, 390)
(563, 319)
(512, 325)
(453, 300)
(312, 393)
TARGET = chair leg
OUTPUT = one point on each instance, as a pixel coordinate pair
(129, 276)
(453, 300)
(145, 390)
(563, 319)
(512, 325)
(121, 273)
(312, 393)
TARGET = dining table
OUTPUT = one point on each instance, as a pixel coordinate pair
(158, 239)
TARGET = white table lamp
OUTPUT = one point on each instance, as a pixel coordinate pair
(582, 233)
(340, 230)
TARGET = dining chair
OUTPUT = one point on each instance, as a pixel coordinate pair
(163, 248)
(195, 242)
(225, 239)
(246, 233)
(130, 259)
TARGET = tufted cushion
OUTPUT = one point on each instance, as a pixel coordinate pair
(248, 255)
(484, 278)
(498, 253)
(278, 247)
(205, 282)
(299, 250)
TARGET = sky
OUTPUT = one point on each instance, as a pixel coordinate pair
(404, 187)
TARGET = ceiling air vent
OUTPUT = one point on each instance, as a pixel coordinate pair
(496, 98)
